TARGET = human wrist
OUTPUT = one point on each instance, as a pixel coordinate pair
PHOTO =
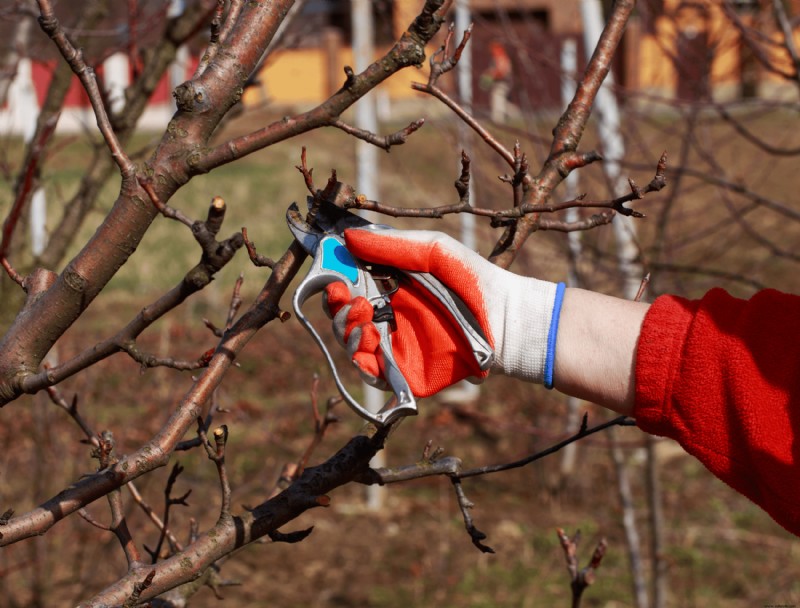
(596, 351)
(524, 320)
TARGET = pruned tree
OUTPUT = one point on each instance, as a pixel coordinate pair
(723, 100)
(193, 144)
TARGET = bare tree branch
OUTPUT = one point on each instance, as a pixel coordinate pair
(580, 578)
(74, 58)
(385, 142)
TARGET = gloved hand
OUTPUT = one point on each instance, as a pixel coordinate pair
(519, 315)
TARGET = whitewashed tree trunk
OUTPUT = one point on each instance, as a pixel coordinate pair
(367, 183)
(117, 78)
(465, 392)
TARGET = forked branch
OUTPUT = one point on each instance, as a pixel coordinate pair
(580, 578)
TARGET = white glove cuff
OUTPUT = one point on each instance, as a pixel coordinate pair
(525, 326)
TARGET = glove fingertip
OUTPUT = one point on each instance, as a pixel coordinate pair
(366, 244)
(367, 364)
(335, 296)
(361, 312)
(370, 338)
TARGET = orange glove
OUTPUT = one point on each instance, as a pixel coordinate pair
(519, 315)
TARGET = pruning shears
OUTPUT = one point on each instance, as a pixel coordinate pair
(321, 235)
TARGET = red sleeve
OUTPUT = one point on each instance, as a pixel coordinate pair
(722, 376)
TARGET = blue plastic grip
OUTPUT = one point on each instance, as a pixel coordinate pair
(335, 257)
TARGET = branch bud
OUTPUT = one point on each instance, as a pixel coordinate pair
(216, 214)
(221, 436)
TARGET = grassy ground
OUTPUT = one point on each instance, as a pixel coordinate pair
(721, 550)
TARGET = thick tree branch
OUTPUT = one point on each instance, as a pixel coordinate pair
(202, 103)
(307, 492)
(156, 453)
(216, 255)
(567, 134)
(408, 51)
(101, 168)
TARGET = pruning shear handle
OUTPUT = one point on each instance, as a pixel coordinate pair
(333, 262)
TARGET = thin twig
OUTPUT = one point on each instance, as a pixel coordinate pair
(788, 36)
(448, 61)
(657, 183)
(433, 464)
(642, 287)
(384, 142)
(584, 431)
(308, 173)
(72, 410)
(580, 578)
(216, 453)
(752, 137)
(85, 74)
(593, 221)
(152, 516)
(148, 361)
(12, 273)
(236, 301)
(321, 425)
(163, 208)
(258, 260)
(169, 502)
(88, 518)
(322, 422)
(23, 191)
(465, 505)
(468, 119)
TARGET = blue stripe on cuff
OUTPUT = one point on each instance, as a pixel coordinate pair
(550, 362)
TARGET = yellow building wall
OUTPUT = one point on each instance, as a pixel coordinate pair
(658, 51)
(656, 69)
(726, 66)
(289, 77)
(780, 58)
